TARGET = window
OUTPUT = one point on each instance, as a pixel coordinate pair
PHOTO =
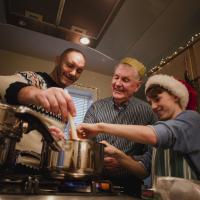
(83, 97)
(82, 102)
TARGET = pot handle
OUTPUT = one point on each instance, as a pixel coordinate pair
(35, 123)
(31, 154)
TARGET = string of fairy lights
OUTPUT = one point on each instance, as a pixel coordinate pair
(164, 61)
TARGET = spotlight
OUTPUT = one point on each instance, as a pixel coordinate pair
(85, 40)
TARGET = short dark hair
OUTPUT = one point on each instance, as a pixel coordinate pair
(154, 90)
(69, 50)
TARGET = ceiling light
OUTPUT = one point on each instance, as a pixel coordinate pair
(85, 40)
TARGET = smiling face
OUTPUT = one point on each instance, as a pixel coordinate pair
(69, 68)
(125, 83)
(164, 104)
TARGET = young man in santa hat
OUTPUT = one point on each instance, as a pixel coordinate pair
(178, 128)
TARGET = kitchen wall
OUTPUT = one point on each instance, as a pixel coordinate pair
(11, 62)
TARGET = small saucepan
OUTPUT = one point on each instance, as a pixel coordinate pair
(78, 159)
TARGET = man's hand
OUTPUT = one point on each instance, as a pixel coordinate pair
(111, 163)
(116, 158)
(112, 150)
(56, 132)
(53, 99)
(86, 130)
(111, 160)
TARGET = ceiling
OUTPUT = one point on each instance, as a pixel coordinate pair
(146, 29)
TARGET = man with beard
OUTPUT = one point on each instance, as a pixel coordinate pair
(44, 92)
(132, 161)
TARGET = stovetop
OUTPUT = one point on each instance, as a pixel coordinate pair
(23, 184)
(31, 186)
(64, 197)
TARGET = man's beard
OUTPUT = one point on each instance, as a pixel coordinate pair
(67, 75)
(70, 77)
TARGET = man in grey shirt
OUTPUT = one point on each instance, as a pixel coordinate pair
(129, 161)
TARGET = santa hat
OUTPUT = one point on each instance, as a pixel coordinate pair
(192, 104)
(173, 85)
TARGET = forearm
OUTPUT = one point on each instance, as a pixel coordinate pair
(26, 95)
(133, 166)
(125, 161)
(12, 92)
(9, 87)
(137, 133)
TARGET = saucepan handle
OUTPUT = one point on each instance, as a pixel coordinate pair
(35, 123)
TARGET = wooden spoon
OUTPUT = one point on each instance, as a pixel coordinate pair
(73, 127)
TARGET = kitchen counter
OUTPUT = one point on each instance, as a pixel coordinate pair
(64, 197)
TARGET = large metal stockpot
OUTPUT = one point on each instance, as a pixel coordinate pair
(78, 159)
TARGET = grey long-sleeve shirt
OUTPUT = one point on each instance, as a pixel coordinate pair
(182, 134)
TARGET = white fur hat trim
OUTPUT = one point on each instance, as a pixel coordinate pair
(170, 83)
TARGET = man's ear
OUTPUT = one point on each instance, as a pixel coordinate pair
(139, 83)
(177, 100)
